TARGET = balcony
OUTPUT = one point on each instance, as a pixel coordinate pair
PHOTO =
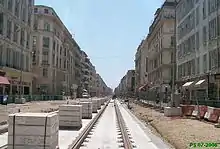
(86, 70)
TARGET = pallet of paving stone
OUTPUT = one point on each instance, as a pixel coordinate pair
(99, 104)
(95, 106)
(86, 110)
(102, 101)
(70, 116)
(33, 130)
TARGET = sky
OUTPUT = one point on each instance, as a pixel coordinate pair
(109, 31)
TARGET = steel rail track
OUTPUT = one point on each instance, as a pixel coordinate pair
(83, 135)
(122, 127)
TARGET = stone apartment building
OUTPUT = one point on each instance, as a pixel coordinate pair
(127, 84)
(37, 52)
(160, 42)
(16, 45)
(101, 87)
(197, 26)
(85, 70)
(53, 53)
(130, 82)
(89, 74)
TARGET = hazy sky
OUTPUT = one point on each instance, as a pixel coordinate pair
(109, 31)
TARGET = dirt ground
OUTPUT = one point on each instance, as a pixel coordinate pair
(40, 106)
(179, 132)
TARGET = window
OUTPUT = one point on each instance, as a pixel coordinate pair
(46, 11)
(53, 59)
(8, 56)
(197, 41)
(198, 65)
(197, 15)
(24, 15)
(27, 63)
(60, 63)
(205, 63)
(35, 27)
(204, 35)
(2, 2)
(35, 10)
(54, 45)
(10, 5)
(14, 56)
(204, 9)
(65, 52)
(34, 41)
(22, 61)
(29, 17)
(17, 7)
(213, 59)
(1, 23)
(45, 58)
(57, 62)
(9, 25)
(28, 40)
(15, 33)
(64, 64)
(46, 42)
(60, 51)
(57, 47)
(212, 28)
(45, 72)
(22, 37)
(46, 26)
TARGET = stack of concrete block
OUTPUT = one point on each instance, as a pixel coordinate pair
(70, 116)
(95, 106)
(33, 130)
(102, 101)
(86, 110)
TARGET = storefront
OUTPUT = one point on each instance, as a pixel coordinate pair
(201, 88)
(18, 80)
(3, 83)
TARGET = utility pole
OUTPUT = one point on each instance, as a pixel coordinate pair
(174, 59)
(218, 49)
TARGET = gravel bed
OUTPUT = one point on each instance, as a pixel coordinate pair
(179, 132)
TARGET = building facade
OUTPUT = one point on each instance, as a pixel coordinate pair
(38, 54)
(137, 60)
(16, 21)
(161, 46)
(53, 53)
(198, 47)
(126, 86)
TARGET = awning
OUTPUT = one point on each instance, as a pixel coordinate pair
(4, 80)
(200, 82)
(142, 87)
(187, 84)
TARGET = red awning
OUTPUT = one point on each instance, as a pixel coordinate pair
(4, 80)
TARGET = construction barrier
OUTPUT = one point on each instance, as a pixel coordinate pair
(187, 110)
(202, 110)
(212, 114)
